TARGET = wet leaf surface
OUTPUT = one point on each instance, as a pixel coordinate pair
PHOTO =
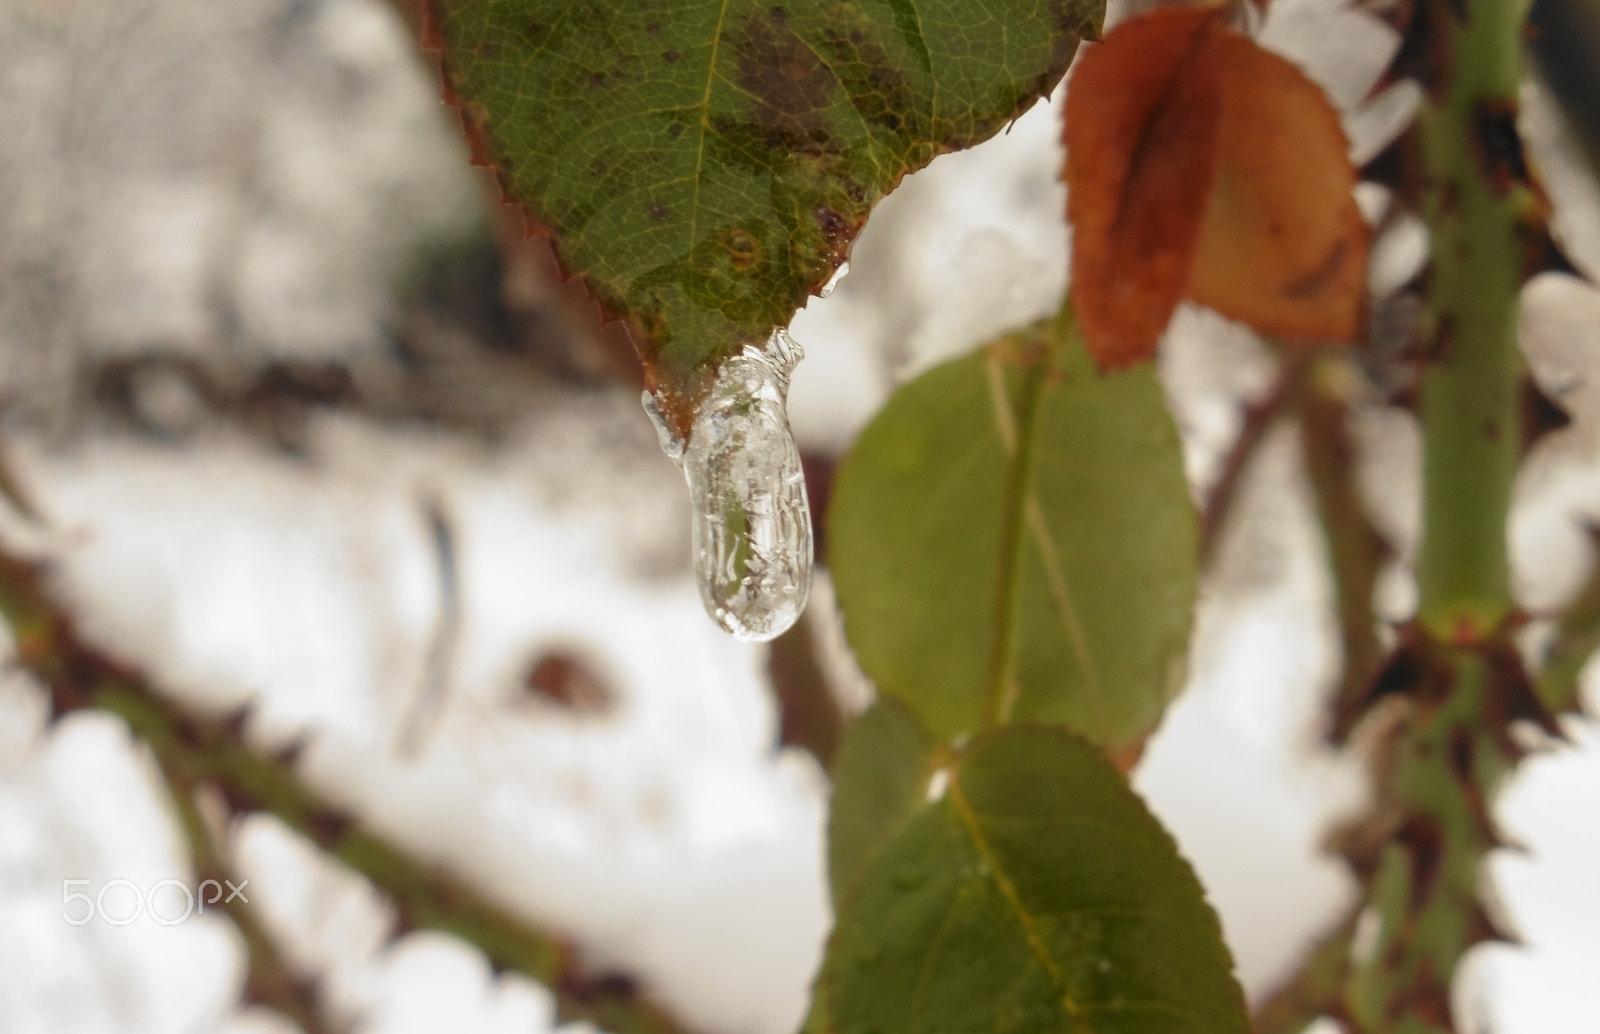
(705, 165)
(1038, 894)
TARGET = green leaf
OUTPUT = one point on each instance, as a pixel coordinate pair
(705, 164)
(1073, 606)
(1038, 895)
(879, 778)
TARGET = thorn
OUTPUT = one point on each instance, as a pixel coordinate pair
(234, 723)
(289, 756)
(1482, 928)
(1424, 840)
(1541, 415)
(1424, 53)
(1514, 698)
(1543, 254)
(1401, 675)
(326, 826)
(1392, 168)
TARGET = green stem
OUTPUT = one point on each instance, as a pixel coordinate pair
(1425, 884)
(269, 979)
(1473, 200)
(1457, 672)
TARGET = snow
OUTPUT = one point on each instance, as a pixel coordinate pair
(668, 836)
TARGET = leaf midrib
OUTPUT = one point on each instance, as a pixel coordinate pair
(705, 125)
(1008, 891)
(1022, 520)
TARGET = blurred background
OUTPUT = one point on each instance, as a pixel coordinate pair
(308, 427)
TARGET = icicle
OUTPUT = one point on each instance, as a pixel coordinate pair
(752, 524)
(833, 281)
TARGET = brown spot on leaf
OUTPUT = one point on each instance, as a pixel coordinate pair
(743, 250)
(790, 85)
(656, 212)
(877, 87)
(670, 56)
(833, 224)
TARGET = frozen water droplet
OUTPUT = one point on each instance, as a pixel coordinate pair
(671, 444)
(752, 524)
(833, 281)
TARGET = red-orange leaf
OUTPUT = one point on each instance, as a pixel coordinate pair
(1200, 165)
(1141, 131)
(1283, 247)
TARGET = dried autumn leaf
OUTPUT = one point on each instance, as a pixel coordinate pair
(1203, 166)
(1283, 247)
(1141, 133)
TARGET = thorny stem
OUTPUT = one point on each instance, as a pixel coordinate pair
(269, 979)
(192, 751)
(1475, 196)
(1298, 1003)
(1456, 673)
(1423, 881)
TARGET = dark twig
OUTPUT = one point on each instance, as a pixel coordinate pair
(194, 751)
(269, 978)
(809, 715)
(1314, 989)
(1259, 418)
(1356, 549)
